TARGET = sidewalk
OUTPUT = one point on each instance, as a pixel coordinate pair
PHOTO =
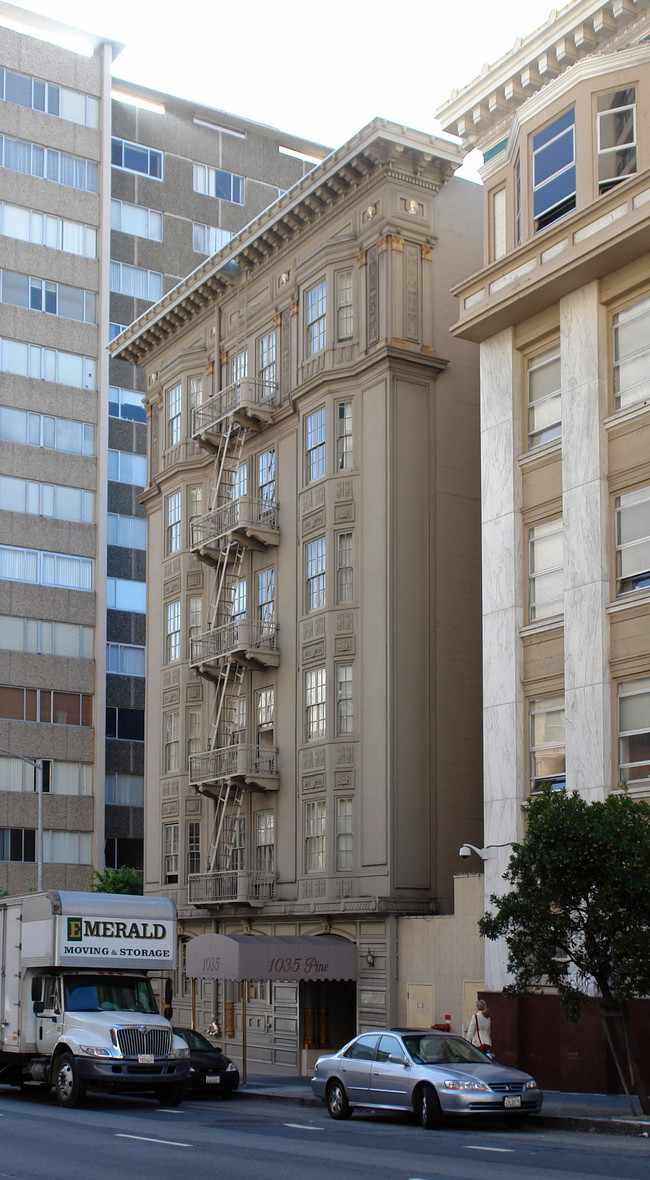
(608, 1113)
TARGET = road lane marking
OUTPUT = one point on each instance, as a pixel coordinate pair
(147, 1139)
(479, 1147)
(304, 1127)
(168, 1110)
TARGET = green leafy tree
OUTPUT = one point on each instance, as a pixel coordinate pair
(578, 916)
(124, 880)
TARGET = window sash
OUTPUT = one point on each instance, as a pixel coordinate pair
(633, 541)
(315, 448)
(634, 732)
(344, 568)
(315, 835)
(315, 559)
(554, 170)
(547, 742)
(631, 329)
(315, 702)
(135, 157)
(316, 318)
(47, 364)
(546, 570)
(31, 159)
(544, 397)
(173, 632)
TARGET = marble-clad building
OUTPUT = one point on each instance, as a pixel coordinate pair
(313, 745)
(561, 309)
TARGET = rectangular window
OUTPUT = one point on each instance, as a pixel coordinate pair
(316, 318)
(137, 220)
(195, 616)
(45, 229)
(49, 707)
(616, 137)
(59, 778)
(546, 570)
(193, 856)
(544, 397)
(266, 358)
(135, 157)
(315, 445)
(239, 478)
(315, 818)
(344, 568)
(46, 499)
(207, 239)
(266, 708)
(45, 637)
(128, 532)
(30, 159)
(174, 409)
(633, 541)
(634, 732)
(193, 733)
(237, 843)
(266, 601)
(344, 306)
(518, 202)
(315, 574)
(173, 632)
(72, 303)
(62, 848)
(344, 703)
(632, 355)
(42, 430)
(344, 456)
(127, 467)
(170, 854)
(240, 366)
(171, 758)
(18, 844)
(46, 569)
(213, 182)
(125, 724)
(265, 841)
(238, 600)
(173, 522)
(125, 594)
(266, 477)
(315, 701)
(125, 790)
(125, 659)
(547, 751)
(196, 393)
(49, 98)
(554, 171)
(136, 281)
(343, 834)
(498, 219)
(47, 364)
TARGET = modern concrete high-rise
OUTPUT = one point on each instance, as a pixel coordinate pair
(105, 202)
(561, 309)
(313, 741)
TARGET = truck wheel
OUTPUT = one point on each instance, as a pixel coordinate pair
(70, 1088)
(171, 1095)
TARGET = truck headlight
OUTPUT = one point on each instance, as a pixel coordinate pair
(96, 1051)
(179, 1052)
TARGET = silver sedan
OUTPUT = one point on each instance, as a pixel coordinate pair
(429, 1074)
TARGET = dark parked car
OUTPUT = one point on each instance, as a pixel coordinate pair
(429, 1074)
(210, 1069)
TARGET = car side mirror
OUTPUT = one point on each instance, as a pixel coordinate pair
(398, 1060)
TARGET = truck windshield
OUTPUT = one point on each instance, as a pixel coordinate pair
(106, 993)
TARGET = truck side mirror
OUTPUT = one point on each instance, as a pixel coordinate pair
(168, 991)
(37, 985)
(39, 1006)
(168, 1011)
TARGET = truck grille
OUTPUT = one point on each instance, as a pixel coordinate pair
(133, 1041)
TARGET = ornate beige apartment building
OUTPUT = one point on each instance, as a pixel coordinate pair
(313, 745)
(561, 308)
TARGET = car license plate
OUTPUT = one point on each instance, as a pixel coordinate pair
(145, 1059)
(212, 1079)
(511, 1101)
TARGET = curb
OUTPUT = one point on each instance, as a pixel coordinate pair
(556, 1122)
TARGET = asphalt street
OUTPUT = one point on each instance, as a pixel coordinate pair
(251, 1139)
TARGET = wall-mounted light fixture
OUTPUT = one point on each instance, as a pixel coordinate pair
(370, 959)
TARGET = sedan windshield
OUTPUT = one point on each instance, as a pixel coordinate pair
(108, 993)
(428, 1050)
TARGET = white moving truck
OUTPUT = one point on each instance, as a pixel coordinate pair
(77, 1007)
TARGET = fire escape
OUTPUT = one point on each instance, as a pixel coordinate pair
(235, 643)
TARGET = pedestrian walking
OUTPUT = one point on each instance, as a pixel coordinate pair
(479, 1029)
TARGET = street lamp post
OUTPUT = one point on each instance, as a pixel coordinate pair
(37, 763)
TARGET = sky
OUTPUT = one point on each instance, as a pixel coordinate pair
(317, 72)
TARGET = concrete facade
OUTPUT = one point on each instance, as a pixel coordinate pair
(561, 308)
(88, 244)
(313, 714)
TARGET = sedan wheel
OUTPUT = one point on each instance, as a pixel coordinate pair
(430, 1113)
(337, 1101)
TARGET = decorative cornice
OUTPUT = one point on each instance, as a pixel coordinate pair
(342, 178)
(575, 32)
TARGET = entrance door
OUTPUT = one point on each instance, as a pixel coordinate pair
(271, 1028)
(50, 1020)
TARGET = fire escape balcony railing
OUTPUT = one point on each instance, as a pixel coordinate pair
(247, 519)
(256, 765)
(236, 885)
(246, 398)
(253, 644)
